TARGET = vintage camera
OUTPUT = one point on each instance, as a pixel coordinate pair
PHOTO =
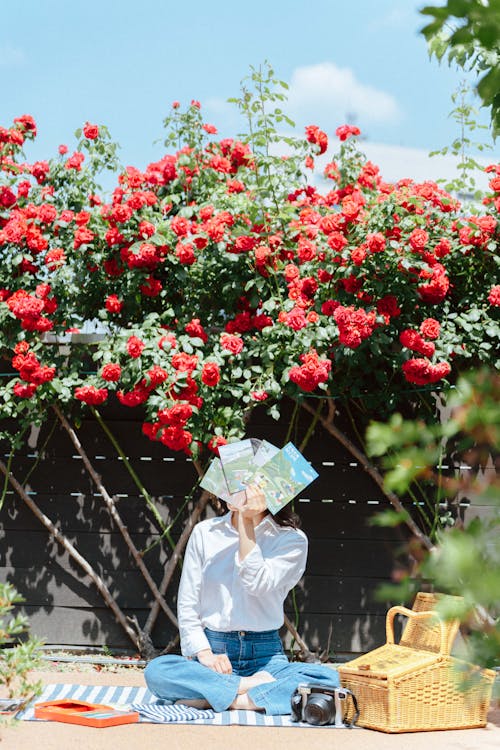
(322, 704)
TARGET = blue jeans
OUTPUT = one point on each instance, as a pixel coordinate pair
(175, 677)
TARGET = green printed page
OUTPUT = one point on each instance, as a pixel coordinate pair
(283, 477)
(214, 480)
(237, 463)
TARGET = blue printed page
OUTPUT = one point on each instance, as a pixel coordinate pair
(283, 477)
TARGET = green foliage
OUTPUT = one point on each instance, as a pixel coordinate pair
(465, 560)
(317, 287)
(468, 33)
(463, 147)
(17, 659)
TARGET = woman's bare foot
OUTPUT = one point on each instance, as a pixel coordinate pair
(193, 703)
(244, 703)
(259, 678)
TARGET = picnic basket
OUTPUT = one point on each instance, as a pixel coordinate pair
(412, 686)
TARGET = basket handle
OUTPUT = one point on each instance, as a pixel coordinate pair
(398, 610)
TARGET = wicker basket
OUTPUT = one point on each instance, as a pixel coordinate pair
(406, 688)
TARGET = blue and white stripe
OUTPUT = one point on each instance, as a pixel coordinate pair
(154, 710)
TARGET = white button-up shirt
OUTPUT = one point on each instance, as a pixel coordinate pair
(219, 592)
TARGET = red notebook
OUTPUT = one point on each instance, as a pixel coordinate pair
(81, 712)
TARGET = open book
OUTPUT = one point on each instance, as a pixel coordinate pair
(280, 474)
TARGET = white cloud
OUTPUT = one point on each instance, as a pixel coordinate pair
(10, 56)
(396, 17)
(327, 95)
(399, 162)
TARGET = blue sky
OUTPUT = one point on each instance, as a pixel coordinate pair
(122, 63)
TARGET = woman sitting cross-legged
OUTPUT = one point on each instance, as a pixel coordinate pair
(237, 571)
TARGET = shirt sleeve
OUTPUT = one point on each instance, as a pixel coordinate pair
(192, 634)
(280, 570)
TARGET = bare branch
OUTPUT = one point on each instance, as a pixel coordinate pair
(111, 506)
(327, 423)
(73, 552)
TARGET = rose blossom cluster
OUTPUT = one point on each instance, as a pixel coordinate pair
(313, 371)
(422, 371)
(31, 372)
(358, 268)
(28, 308)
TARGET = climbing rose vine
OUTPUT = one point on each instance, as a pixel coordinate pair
(220, 277)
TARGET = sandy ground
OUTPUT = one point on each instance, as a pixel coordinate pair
(53, 736)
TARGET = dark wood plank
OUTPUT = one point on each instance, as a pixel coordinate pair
(87, 512)
(53, 585)
(350, 634)
(106, 551)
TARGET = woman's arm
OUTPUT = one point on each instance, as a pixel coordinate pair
(194, 642)
(280, 570)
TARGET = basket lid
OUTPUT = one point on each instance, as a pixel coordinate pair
(388, 661)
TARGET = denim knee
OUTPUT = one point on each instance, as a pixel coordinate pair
(156, 672)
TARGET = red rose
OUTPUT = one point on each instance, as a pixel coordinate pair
(494, 296)
(346, 131)
(157, 375)
(7, 197)
(210, 374)
(75, 161)
(138, 395)
(259, 395)
(376, 242)
(135, 346)
(414, 341)
(311, 372)
(113, 304)
(89, 394)
(151, 287)
(196, 330)
(388, 307)
(185, 254)
(231, 343)
(176, 438)
(214, 443)
(296, 319)
(430, 328)
(23, 390)
(39, 170)
(184, 362)
(495, 184)
(418, 239)
(111, 372)
(90, 131)
(178, 414)
(329, 306)
(318, 137)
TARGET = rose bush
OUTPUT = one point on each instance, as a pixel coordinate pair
(222, 277)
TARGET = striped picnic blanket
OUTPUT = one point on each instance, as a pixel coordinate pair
(123, 697)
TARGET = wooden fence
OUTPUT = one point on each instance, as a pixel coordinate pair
(348, 558)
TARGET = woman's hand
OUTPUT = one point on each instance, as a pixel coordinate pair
(217, 662)
(255, 503)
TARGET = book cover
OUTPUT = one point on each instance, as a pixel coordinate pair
(283, 477)
(237, 463)
(214, 481)
(281, 474)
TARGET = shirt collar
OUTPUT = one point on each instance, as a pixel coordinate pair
(266, 521)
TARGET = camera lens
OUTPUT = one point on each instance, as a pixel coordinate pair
(319, 709)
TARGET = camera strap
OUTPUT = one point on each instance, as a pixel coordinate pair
(349, 725)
